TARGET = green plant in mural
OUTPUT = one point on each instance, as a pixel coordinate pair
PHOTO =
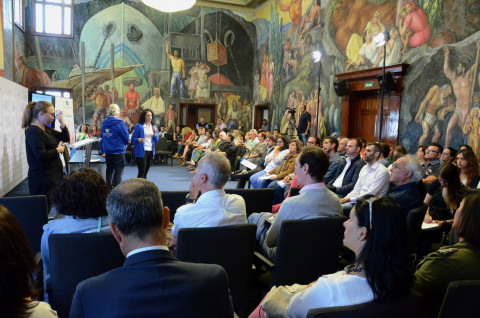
(433, 10)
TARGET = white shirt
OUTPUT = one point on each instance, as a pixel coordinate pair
(148, 131)
(373, 180)
(272, 164)
(213, 208)
(338, 289)
(148, 248)
(339, 182)
(42, 310)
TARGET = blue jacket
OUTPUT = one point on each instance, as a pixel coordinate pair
(139, 147)
(114, 136)
(351, 176)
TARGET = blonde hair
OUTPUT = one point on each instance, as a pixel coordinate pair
(32, 110)
(113, 110)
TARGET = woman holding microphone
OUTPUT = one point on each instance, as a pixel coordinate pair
(43, 146)
(144, 137)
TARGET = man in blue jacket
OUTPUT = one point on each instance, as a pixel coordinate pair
(113, 143)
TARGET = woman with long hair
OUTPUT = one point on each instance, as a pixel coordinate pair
(144, 137)
(272, 160)
(448, 155)
(83, 132)
(17, 266)
(467, 163)
(377, 234)
(43, 146)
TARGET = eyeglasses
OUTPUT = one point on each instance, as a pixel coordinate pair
(397, 166)
(279, 141)
(445, 154)
(431, 150)
(310, 142)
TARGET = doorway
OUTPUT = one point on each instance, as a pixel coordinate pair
(261, 112)
(189, 114)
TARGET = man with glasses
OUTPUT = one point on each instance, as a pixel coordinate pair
(432, 162)
(405, 173)
(313, 141)
(330, 145)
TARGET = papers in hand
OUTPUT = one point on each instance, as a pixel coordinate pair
(248, 164)
(281, 184)
(265, 177)
(427, 226)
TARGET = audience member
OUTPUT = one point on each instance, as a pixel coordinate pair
(467, 163)
(421, 153)
(151, 282)
(221, 125)
(347, 174)
(451, 263)
(342, 147)
(314, 200)
(264, 125)
(432, 162)
(214, 207)
(376, 233)
(385, 158)
(144, 138)
(202, 123)
(252, 141)
(17, 267)
(313, 141)
(304, 123)
(448, 155)
(363, 142)
(330, 145)
(272, 161)
(463, 147)
(372, 180)
(83, 132)
(276, 133)
(81, 201)
(406, 172)
(114, 139)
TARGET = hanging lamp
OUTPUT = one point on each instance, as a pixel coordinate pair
(170, 5)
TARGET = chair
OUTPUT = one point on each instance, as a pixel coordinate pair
(414, 226)
(306, 250)
(408, 306)
(129, 154)
(256, 200)
(32, 214)
(228, 246)
(76, 257)
(161, 149)
(173, 200)
(461, 300)
(295, 191)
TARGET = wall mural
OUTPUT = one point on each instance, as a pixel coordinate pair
(218, 56)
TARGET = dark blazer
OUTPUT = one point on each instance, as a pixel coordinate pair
(350, 178)
(155, 284)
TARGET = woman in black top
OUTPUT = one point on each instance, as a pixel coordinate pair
(43, 145)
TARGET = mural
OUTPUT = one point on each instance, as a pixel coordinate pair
(2, 42)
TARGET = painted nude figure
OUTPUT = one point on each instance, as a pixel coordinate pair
(178, 71)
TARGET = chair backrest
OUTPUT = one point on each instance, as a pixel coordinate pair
(294, 191)
(256, 200)
(408, 306)
(162, 144)
(76, 257)
(31, 212)
(414, 226)
(173, 200)
(461, 300)
(307, 249)
(231, 247)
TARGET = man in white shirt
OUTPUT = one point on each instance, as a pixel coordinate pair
(252, 141)
(214, 207)
(373, 179)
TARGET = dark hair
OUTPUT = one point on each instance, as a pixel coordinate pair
(143, 114)
(299, 145)
(17, 266)
(469, 222)
(333, 141)
(439, 147)
(276, 130)
(31, 111)
(135, 207)
(216, 133)
(263, 134)
(376, 147)
(82, 194)
(466, 146)
(472, 164)
(358, 143)
(450, 173)
(453, 153)
(362, 141)
(401, 149)
(424, 148)
(385, 149)
(230, 135)
(318, 141)
(286, 142)
(317, 162)
(385, 253)
(209, 131)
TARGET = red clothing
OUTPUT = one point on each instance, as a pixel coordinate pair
(293, 184)
(417, 21)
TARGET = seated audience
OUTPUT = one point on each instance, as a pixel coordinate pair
(432, 163)
(373, 179)
(376, 228)
(80, 198)
(214, 207)
(272, 160)
(451, 263)
(406, 172)
(330, 145)
(313, 141)
(314, 200)
(421, 154)
(467, 163)
(342, 147)
(83, 133)
(17, 267)
(347, 174)
(448, 155)
(152, 282)
(385, 158)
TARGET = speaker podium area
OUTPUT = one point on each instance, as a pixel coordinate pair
(361, 102)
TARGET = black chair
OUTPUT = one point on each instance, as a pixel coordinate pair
(129, 154)
(461, 300)
(161, 149)
(76, 257)
(231, 247)
(414, 226)
(256, 200)
(306, 250)
(32, 214)
(408, 306)
(173, 200)
(295, 191)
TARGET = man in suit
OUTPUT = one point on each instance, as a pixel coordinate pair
(347, 174)
(151, 283)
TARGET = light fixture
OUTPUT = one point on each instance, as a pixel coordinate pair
(170, 5)
(381, 38)
(317, 55)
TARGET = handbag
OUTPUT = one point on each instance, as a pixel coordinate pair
(276, 302)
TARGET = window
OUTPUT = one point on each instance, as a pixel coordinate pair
(19, 12)
(53, 17)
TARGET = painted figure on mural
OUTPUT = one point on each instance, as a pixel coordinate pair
(123, 116)
(462, 83)
(256, 83)
(192, 81)
(375, 25)
(112, 96)
(203, 88)
(246, 115)
(271, 72)
(414, 28)
(472, 130)
(393, 48)
(222, 107)
(434, 107)
(100, 100)
(308, 21)
(232, 112)
(157, 105)
(178, 72)
(170, 116)
(294, 9)
(264, 80)
(287, 55)
(132, 102)
(293, 63)
(368, 54)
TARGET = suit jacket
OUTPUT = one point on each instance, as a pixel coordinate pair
(351, 176)
(155, 284)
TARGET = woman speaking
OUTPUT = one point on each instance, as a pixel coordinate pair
(43, 146)
(144, 137)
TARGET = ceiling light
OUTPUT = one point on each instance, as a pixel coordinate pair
(170, 5)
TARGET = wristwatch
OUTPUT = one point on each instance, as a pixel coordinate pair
(188, 200)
